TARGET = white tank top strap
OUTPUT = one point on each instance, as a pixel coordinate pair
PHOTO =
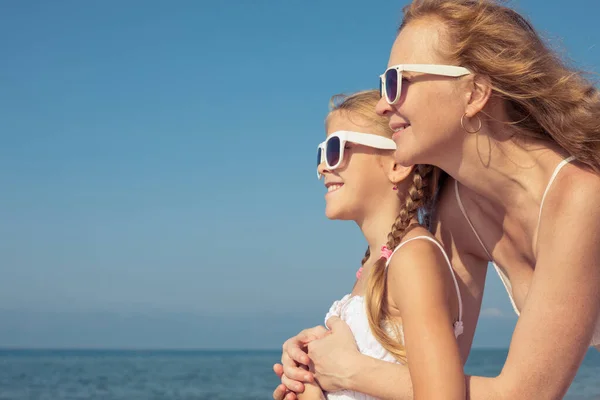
(447, 261)
(501, 274)
(552, 178)
(503, 277)
(464, 212)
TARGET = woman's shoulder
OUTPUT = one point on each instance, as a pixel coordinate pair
(575, 189)
(568, 219)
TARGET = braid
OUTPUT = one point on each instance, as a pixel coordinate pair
(412, 204)
(377, 309)
(366, 257)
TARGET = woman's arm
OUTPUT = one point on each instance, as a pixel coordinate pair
(341, 365)
(557, 321)
(420, 284)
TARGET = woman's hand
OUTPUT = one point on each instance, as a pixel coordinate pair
(294, 363)
(337, 364)
(335, 357)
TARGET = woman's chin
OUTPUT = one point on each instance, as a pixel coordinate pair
(408, 155)
(404, 159)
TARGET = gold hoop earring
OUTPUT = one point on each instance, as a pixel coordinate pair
(462, 123)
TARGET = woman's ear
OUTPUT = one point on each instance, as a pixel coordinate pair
(480, 93)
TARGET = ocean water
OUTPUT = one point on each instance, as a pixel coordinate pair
(214, 375)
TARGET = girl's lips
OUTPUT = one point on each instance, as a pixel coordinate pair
(332, 187)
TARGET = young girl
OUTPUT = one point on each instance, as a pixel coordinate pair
(405, 306)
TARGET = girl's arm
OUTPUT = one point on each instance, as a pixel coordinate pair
(420, 284)
(312, 391)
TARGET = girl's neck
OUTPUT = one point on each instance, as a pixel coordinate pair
(377, 227)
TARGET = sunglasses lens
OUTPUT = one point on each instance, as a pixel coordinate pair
(391, 84)
(319, 155)
(332, 152)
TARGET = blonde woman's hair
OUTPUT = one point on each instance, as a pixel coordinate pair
(545, 98)
(418, 203)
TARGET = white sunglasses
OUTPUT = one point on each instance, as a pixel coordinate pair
(331, 151)
(390, 82)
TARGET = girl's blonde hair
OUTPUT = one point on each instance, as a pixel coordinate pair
(545, 98)
(418, 203)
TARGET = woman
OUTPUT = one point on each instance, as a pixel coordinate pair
(520, 134)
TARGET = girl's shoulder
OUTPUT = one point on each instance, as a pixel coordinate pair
(418, 247)
(420, 268)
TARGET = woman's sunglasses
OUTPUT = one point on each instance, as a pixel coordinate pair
(390, 83)
(331, 151)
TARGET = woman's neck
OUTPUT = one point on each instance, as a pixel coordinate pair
(508, 173)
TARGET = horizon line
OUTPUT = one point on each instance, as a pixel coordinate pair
(167, 349)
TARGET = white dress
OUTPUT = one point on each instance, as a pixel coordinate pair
(351, 309)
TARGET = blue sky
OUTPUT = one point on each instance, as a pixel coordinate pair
(157, 166)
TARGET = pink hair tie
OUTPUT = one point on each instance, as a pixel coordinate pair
(359, 273)
(385, 252)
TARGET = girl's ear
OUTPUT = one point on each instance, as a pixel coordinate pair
(399, 173)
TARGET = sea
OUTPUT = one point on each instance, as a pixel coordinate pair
(183, 374)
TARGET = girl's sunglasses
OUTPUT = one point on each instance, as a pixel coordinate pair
(331, 151)
(390, 83)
